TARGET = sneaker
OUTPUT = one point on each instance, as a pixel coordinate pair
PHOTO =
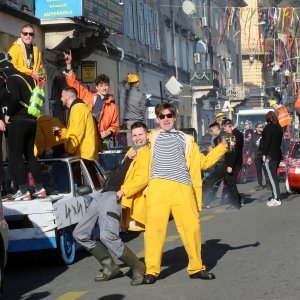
(19, 196)
(273, 202)
(40, 194)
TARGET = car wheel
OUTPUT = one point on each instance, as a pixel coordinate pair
(67, 246)
(287, 187)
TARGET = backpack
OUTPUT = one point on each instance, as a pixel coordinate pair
(37, 98)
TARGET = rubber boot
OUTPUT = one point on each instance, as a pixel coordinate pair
(110, 268)
(138, 268)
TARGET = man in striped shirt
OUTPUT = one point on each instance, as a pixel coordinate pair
(175, 187)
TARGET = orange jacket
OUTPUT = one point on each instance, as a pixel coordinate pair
(283, 116)
(109, 118)
(297, 103)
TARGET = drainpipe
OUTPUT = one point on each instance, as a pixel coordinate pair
(121, 50)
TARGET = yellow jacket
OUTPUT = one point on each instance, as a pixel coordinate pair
(19, 57)
(44, 137)
(80, 137)
(136, 180)
(196, 162)
(140, 175)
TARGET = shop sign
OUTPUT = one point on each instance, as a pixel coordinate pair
(88, 71)
(106, 12)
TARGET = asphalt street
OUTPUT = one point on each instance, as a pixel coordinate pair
(254, 253)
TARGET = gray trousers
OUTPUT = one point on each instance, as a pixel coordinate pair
(106, 208)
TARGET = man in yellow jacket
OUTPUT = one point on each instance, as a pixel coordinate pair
(105, 207)
(175, 186)
(26, 56)
(80, 136)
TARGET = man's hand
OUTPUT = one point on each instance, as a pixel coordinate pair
(6, 119)
(264, 158)
(56, 131)
(104, 134)
(209, 148)
(2, 126)
(229, 170)
(35, 75)
(132, 154)
(68, 59)
(224, 142)
(120, 194)
(249, 161)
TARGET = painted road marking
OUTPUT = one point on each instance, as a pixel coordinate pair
(206, 218)
(219, 210)
(72, 295)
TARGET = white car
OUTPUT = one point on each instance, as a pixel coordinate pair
(3, 246)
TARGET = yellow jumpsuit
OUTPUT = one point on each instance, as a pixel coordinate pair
(184, 201)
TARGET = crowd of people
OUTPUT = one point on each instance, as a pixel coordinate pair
(165, 161)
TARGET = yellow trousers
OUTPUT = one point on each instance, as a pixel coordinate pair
(163, 197)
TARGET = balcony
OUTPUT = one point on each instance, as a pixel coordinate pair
(204, 79)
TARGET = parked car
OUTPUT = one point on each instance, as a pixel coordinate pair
(292, 182)
(48, 223)
(3, 246)
(281, 171)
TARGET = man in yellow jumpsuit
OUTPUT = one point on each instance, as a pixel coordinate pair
(175, 187)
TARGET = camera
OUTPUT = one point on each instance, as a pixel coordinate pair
(56, 132)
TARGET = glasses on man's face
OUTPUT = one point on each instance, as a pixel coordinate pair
(28, 33)
(162, 116)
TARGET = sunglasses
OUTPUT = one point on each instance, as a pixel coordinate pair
(28, 33)
(169, 116)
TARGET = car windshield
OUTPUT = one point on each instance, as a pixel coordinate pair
(55, 176)
(254, 119)
(295, 153)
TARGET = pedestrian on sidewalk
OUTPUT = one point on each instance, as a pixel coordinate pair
(255, 151)
(234, 162)
(270, 146)
(105, 208)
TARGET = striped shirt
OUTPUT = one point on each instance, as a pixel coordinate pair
(169, 158)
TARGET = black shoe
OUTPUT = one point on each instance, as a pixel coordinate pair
(149, 279)
(203, 275)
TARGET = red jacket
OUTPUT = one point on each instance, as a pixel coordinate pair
(109, 118)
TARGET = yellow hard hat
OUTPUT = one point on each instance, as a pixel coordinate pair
(272, 102)
(220, 115)
(133, 78)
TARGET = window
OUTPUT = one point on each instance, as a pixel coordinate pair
(169, 46)
(129, 19)
(181, 121)
(156, 31)
(146, 22)
(141, 24)
(55, 177)
(78, 174)
(95, 174)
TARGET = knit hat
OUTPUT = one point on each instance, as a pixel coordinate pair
(272, 102)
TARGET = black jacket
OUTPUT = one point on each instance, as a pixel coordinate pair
(235, 157)
(254, 145)
(270, 143)
(16, 91)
